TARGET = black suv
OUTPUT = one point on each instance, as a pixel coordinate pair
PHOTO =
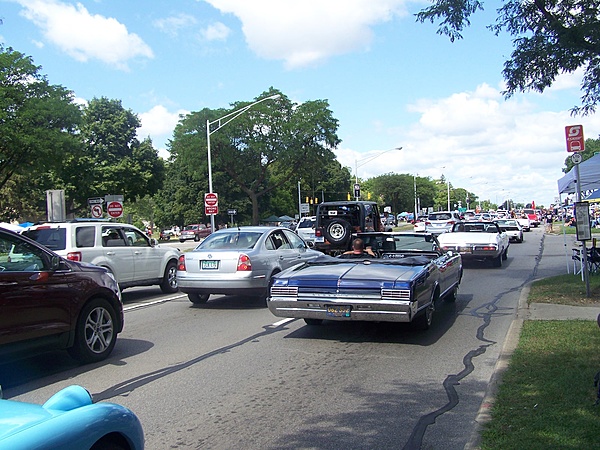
(337, 222)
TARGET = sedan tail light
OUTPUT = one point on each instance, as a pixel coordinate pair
(244, 263)
(318, 232)
(181, 263)
(74, 256)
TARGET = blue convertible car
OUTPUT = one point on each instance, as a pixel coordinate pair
(69, 421)
(402, 284)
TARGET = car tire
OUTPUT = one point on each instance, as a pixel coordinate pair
(313, 322)
(424, 319)
(338, 231)
(198, 299)
(169, 282)
(452, 295)
(182, 240)
(95, 334)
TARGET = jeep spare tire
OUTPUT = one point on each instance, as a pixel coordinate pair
(338, 231)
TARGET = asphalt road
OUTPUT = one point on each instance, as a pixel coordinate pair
(230, 375)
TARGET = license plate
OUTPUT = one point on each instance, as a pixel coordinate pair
(465, 249)
(209, 265)
(339, 311)
(319, 239)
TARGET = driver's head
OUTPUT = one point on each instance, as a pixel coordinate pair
(358, 244)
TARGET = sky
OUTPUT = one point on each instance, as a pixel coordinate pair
(390, 81)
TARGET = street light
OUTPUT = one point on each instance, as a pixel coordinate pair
(227, 118)
(368, 160)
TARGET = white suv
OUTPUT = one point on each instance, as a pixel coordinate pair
(306, 228)
(133, 258)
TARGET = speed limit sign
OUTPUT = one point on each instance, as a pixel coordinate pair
(96, 211)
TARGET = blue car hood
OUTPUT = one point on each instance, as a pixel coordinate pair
(16, 416)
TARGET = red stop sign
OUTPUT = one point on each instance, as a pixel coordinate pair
(114, 209)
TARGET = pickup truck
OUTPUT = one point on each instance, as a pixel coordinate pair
(196, 232)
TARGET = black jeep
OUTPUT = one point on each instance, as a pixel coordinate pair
(337, 222)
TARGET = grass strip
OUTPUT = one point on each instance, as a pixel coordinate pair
(546, 398)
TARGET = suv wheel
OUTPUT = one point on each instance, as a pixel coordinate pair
(337, 231)
(169, 282)
(198, 299)
(95, 334)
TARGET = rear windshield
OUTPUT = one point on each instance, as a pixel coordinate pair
(52, 238)
(440, 216)
(307, 224)
(240, 240)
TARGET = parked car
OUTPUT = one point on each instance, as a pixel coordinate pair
(512, 228)
(127, 252)
(69, 420)
(477, 240)
(403, 284)
(337, 222)
(306, 228)
(48, 302)
(441, 221)
(196, 232)
(239, 261)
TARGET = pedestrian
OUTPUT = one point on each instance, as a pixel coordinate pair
(549, 220)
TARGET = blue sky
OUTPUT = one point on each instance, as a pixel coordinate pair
(391, 82)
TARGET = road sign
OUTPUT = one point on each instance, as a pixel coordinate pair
(211, 203)
(115, 209)
(356, 190)
(232, 212)
(96, 211)
(95, 201)
(575, 139)
(304, 208)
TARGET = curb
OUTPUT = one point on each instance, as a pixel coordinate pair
(510, 344)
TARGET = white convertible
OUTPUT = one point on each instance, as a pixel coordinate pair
(477, 240)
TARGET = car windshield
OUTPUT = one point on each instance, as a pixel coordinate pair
(230, 240)
(399, 242)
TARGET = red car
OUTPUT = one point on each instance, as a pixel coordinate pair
(196, 232)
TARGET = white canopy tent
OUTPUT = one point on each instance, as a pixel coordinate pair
(589, 177)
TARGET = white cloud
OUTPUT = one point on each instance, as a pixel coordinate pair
(216, 32)
(172, 24)
(307, 32)
(84, 36)
(495, 148)
(159, 123)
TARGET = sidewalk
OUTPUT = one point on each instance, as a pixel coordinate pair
(555, 260)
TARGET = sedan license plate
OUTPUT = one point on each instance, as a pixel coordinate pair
(339, 311)
(209, 265)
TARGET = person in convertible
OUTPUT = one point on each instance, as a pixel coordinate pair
(358, 251)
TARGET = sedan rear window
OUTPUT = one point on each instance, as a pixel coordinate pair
(440, 216)
(241, 240)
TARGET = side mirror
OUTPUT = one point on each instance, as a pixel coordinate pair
(153, 242)
(310, 244)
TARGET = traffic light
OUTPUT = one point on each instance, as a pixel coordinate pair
(368, 196)
(349, 198)
(316, 200)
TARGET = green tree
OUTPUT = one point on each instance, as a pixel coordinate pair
(111, 160)
(37, 129)
(550, 37)
(271, 144)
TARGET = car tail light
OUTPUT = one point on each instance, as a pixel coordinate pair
(181, 264)
(244, 264)
(451, 222)
(74, 256)
(427, 223)
(318, 232)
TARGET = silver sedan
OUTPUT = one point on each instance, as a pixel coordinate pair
(239, 261)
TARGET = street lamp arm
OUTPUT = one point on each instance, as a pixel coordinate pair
(235, 114)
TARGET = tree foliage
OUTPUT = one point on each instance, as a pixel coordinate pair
(269, 145)
(37, 125)
(550, 37)
(110, 159)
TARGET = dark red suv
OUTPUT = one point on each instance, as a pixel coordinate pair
(47, 302)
